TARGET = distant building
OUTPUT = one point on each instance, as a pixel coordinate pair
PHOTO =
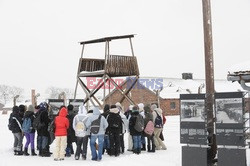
(145, 91)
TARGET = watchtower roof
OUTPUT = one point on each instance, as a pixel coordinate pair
(107, 39)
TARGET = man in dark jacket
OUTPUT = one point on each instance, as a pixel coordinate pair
(71, 132)
(114, 130)
(15, 121)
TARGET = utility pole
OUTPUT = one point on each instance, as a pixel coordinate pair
(209, 66)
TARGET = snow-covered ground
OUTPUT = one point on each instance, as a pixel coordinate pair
(170, 157)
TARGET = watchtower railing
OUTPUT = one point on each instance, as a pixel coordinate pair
(91, 65)
(118, 65)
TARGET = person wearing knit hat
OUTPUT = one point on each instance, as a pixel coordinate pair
(30, 133)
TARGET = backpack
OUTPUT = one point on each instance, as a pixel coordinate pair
(114, 121)
(80, 129)
(149, 129)
(37, 124)
(95, 125)
(10, 124)
(139, 123)
(158, 121)
(27, 125)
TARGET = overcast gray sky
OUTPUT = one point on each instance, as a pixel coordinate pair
(39, 38)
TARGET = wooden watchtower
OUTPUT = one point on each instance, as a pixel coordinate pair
(107, 68)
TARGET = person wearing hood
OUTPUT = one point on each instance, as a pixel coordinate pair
(124, 126)
(15, 122)
(114, 129)
(30, 133)
(99, 135)
(158, 129)
(61, 127)
(79, 126)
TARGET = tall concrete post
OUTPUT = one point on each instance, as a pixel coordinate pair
(209, 66)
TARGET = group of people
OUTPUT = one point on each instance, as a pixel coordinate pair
(103, 129)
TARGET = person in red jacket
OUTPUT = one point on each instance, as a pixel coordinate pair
(61, 126)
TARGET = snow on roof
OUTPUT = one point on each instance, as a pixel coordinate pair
(240, 68)
(173, 87)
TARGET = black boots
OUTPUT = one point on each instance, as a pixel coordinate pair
(143, 147)
(19, 153)
(33, 152)
(25, 153)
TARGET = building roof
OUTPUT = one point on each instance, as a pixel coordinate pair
(173, 87)
(107, 39)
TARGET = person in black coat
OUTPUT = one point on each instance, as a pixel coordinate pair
(15, 122)
(136, 135)
(71, 137)
(43, 134)
(114, 130)
(106, 143)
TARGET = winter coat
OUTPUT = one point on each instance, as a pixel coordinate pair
(31, 115)
(114, 115)
(124, 123)
(103, 124)
(15, 120)
(148, 117)
(71, 132)
(132, 122)
(61, 123)
(44, 118)
(159, 111)
(82, 115)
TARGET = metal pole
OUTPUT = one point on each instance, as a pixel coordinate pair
(209, 66)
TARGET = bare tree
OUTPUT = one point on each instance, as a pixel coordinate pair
(8, 93)
(54, 92)
(69, 93)
(4, 93)
(14, 91)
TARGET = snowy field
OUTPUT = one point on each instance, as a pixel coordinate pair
(170, 157)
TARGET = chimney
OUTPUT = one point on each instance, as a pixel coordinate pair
(187, 76)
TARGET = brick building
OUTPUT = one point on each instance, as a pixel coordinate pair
(145, 91)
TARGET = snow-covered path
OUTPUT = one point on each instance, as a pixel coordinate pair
(170, 157)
